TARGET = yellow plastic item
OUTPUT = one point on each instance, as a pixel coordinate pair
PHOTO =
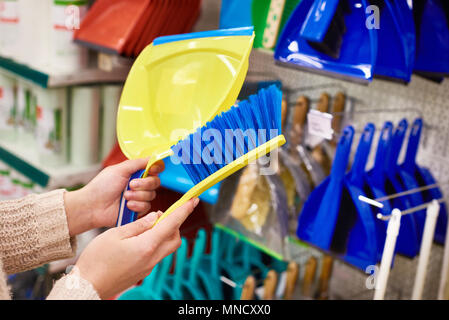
(225, 172)
(175, 88)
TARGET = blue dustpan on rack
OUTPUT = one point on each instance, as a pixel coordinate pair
(423, 178)
(432, 29)
(396, 41)
(381, 186)
(318, 218)
(361, 248)
(329, 37)
(406, 181)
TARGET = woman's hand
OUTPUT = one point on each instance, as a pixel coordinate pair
(120, 257)
(96, 205)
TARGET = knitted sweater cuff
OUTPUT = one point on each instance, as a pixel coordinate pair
(34, 231)
(73, 287)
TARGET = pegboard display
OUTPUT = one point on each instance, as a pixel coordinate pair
(378, 102)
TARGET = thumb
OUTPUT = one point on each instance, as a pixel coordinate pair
(139, 226)
(128, 167)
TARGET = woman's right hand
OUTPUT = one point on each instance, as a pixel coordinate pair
(120, 257)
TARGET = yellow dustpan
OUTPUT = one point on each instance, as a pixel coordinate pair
(176, 85)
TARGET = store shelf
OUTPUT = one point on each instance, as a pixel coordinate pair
(47, 79)
(25, 160)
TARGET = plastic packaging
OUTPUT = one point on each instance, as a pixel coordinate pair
(9, 28)
(66, 16)
(84, 125)
(110, 97)
(7, 107)
(25, 113)
(51, 130)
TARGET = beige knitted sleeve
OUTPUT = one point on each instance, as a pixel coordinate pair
(73, 287)
(34, 231)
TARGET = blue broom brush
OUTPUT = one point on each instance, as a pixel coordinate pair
(228, 143)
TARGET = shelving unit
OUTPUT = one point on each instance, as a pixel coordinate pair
(47, 79)
(24, 160)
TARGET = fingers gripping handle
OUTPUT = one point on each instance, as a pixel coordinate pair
(126, 215)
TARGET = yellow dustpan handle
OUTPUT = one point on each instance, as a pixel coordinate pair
(225, 172)
(155, 158)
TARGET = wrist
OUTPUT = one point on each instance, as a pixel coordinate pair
(79, 216)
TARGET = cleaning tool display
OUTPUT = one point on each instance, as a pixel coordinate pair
(51, 128)
(126, 27)
(84, 129)
(66, 17)
(329, 39)
(150, 120)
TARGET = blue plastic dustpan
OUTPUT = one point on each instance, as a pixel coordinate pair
(406, 180)
(424, 177)
(381, 186)
(318, 218)
(361, 249)
(323, 21)
(432, 29)
(396, 41)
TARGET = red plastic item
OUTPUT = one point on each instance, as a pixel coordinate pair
(126, 27)
(109, 23)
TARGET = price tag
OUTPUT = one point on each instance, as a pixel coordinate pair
(319, 126)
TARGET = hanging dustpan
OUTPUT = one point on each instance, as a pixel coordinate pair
(109, 24)
(382, 185)
(406, 181)
(318, 218)
(361, 247)
(432, 28)
(424, 177)
(329, 39)
(177, 84)
(396, 41)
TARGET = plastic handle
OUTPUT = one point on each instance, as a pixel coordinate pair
(388, 253)
(396, 146)
(382, 148)
(426, 246)
(413, 143)
(361, 156)
(126, 215)
(342, 154)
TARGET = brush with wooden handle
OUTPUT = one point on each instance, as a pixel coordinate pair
(326, 272)
(292, 278)
(269, 285)
(248, 289)
(311, 167)
(309, 278)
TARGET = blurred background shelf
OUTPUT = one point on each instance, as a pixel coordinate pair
(47, 79)
(23, 160)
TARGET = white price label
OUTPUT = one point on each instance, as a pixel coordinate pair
(320, 124)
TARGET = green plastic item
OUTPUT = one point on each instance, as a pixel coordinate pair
(259, 12)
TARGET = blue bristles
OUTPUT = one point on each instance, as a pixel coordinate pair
(231, 134)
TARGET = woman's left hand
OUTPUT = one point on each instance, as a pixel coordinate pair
(96, 205)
